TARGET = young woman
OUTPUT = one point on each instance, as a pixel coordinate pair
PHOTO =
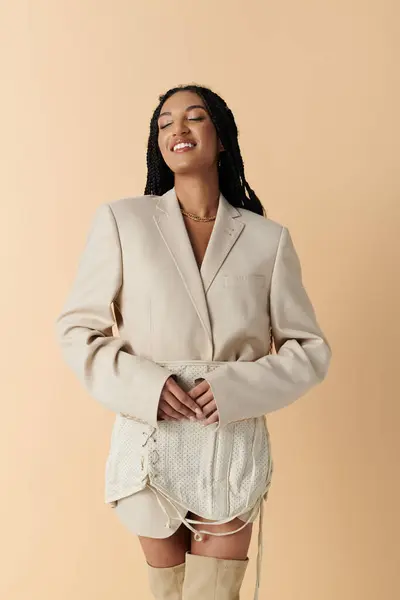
(169, 325)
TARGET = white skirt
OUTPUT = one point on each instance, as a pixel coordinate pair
(142, 515)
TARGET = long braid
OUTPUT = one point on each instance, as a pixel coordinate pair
(232, 180)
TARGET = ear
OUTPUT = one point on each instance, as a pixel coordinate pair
(220, 146)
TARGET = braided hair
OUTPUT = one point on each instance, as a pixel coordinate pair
(232, 181)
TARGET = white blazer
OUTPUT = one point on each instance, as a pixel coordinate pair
(138, 272)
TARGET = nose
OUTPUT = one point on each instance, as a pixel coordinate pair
(179, 127)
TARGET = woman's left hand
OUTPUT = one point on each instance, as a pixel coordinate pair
(204, 398)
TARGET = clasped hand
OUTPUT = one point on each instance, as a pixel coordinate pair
(198, 404)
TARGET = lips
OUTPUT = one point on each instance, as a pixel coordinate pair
(183, 149)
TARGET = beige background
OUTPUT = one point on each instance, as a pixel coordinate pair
(314, 86)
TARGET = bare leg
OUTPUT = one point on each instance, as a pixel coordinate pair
(215, 567)
(141, 514)
(166, 552)
(232, 547)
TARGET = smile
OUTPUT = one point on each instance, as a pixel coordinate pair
(183, 147)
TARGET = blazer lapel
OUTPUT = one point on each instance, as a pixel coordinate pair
(226, 230)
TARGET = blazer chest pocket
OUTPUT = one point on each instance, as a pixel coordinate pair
(249, 281)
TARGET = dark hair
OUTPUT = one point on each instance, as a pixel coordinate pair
(232, 181)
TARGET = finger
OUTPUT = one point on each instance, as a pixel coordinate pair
(205, 399)
(213, 418)
(170, 410)
(177, 406)
(192, 408)
(209, 408)
(161, 416)
(199, 388)
(175, 392)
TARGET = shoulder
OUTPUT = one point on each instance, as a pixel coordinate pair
(262, 226)
(259, 221)
(131, 205)
(125, 212)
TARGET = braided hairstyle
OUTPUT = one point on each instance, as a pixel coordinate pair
(232, 181)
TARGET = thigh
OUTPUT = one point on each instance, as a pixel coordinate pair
(232, 547)
(143, 516)
(166, 552)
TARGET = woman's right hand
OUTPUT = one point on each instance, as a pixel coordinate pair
(175, 404)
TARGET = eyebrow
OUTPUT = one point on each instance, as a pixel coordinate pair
(187, 108)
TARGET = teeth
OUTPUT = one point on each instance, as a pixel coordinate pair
(183, 145)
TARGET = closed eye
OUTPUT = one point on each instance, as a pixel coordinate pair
(192, 119)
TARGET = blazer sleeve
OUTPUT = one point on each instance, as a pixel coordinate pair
(245, 389)
(106, 364)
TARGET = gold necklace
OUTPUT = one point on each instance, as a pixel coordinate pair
(196, 217)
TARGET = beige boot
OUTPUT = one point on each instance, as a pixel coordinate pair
(166, 582)
(207, 578)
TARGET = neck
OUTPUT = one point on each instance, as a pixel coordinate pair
(198, 195)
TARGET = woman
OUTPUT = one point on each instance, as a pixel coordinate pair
(192, 275)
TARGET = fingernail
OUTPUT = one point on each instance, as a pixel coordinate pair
(193, 418)
(199, 411)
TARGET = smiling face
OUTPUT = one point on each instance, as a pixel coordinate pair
(184, 124)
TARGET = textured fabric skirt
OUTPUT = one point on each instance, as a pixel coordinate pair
(142, 514)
